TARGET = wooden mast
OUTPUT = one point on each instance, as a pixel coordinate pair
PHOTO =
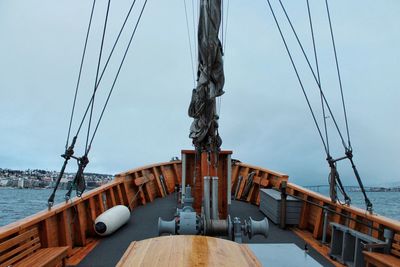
(203, 108)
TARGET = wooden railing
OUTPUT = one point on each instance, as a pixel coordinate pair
(314, 204)
(263, 178)
(71, 224)
(151, 189)
(312, 217)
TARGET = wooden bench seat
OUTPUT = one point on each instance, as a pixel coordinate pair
(46, 257)
(380, 259)
(24, 249)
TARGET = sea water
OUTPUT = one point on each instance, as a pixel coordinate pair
(17, 204)
(384, 203)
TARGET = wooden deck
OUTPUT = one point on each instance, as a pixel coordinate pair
(71, 224)
(143, 225)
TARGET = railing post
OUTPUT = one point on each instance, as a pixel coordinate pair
(325, 225)
(388, 234)
(229, 178)
(183, 177)
(283, 205)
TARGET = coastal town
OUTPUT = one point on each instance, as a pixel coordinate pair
(46, 179)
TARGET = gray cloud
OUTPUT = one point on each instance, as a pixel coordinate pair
(264, 118)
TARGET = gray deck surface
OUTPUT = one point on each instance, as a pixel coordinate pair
(143, 225)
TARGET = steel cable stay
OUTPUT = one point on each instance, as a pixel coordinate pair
(190, 43)
(79, 75)
(194, 19)
(334, 176)
(97, 75)
(117, 74)
(222, 38)
(297, 74)
(226, 25)
(105, 67)
(222, 23)
(318, 74)
(69, 149)
(83, 161)
(349, 151)
(313, 74)
(69, 152)
(224, 31)
(338, 74)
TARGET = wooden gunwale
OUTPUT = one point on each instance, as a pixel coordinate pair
(390, 223)
(70, 224)
(278, 174)
(150, 166)
(124, 190)
(352, 217)
(45, 214)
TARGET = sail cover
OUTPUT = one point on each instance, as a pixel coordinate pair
(210, 78)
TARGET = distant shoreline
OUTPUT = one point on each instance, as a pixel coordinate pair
(317, 188)
(43, 179)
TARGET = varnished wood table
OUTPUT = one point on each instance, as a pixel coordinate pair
(187, 251)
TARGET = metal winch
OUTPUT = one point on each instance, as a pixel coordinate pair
(188, 222)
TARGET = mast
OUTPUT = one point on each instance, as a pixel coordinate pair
(210, 79)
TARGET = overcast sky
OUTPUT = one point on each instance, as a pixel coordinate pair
(264, 117)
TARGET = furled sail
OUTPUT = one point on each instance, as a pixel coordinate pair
(210, 78)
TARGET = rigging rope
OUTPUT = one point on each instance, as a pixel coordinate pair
(297, 73)
(97, 76)
(82, 162)
(338, 73)
(222, 23)
(318, 75)
(105, 66)
(190, 44)
(69, 150)
(348, 150)
(194, 26)
(79, 75)
(313, 73)
(226, 25)
(118, 72)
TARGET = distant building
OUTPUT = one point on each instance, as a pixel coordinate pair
(21, 182)
(3, 182)
(47, 179)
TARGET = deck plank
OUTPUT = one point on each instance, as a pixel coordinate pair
(81, 252)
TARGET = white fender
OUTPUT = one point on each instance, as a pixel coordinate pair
(112, 219)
